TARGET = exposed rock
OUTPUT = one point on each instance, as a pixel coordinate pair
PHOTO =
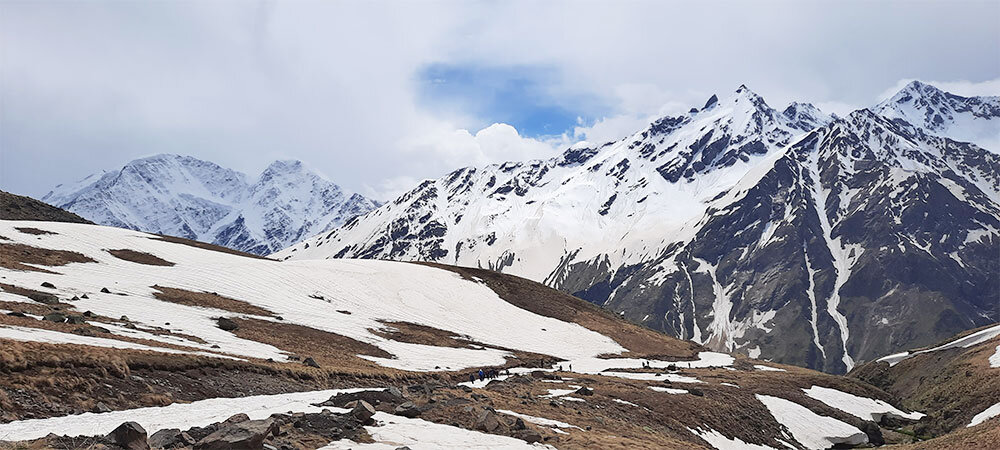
(54, 317)
(585, 391)
(100, 407)
(42, 297)
(408, 409)
(249, 434)
(48, 285)
(130, 435)
(487, 420)
(387, 398)
(105, 290)
(237, 418)
(311, 362)
(226, 324)
(528, 435)
(77, 320)
(874, 433)
(363, 412)
(170, 438)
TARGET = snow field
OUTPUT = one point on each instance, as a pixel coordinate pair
(370, 290)
(811, 430)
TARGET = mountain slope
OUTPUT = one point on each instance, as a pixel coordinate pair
(970, 119)
(186, 197)
(172, 326)
(735, 226)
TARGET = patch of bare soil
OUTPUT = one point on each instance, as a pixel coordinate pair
(545, 301)
(16, 256)
(415, 333)
(205, 246)
(329, 350)
(139, 257)
(208, 300)
(33, 231)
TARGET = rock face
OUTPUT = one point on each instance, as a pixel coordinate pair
(190, 198)
(971, 119)
(793, 236)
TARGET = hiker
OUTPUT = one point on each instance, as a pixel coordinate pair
(570, 367)
(481, 375)
(472, 377)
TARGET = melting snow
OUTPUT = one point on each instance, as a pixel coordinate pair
(721, 442)
(539, 420)
(812, 430)
(861, 407)
(990, 413)
(395, 431)
(668, 390)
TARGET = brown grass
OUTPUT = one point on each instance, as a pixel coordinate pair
(16, 256)
(983, 436)
(139, 257)
(24, 292)
(205, 246)
(33, 231)
(415, 333)
(208, 300)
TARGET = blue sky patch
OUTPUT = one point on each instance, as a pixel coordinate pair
(522, 96)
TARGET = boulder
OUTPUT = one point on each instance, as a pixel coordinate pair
(130, 435)
(237, 418)
(226, 324)
(170, 438)
(105, 290)
(42, 297)
(487, 420)
(48, 285)
(17, 314)
(585, 391)
(54, 317)
(310, 362)
(249, 434)
(874, 433)
(528, 435)
(363, 412)
(77, 320)
(407, 409)
(100, 407)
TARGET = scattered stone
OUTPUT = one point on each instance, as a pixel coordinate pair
(585, 391)
(407, 409)
(75, 298)
(311, 362)
(100, 407)
(249, 434)
(170, 438)
(130, 435)
(54, 317)
(519, 424)
(105, 290)
(88, 313)
(696, 392)
(17, 314)
(84, 296)
(83, 331)
(124, 319)
(48, 285)
(226, 324)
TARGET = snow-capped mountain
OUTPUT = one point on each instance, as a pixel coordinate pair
(970, 119)
(187, 197)
(793, 236)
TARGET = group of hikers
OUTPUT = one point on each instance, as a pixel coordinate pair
(487, 374)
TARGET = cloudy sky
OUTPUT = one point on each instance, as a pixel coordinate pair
(377, 95)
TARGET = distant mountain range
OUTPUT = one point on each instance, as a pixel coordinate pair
(790, 235)
(190, 198)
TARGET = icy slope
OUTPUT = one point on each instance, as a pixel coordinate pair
(186, 197)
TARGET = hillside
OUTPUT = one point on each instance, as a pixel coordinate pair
(18, 207)
(99, 321)
(789, 235)
(953, 381)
